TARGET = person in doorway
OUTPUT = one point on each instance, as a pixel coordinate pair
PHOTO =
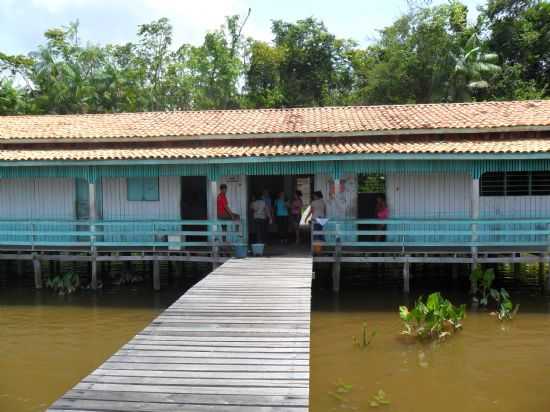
(296, 207)
(382, 213)
(317, 210)
(224, 212)
(269, 211)
(259, 217)
(281, 217)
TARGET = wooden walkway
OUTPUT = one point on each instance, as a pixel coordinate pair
(237, 341)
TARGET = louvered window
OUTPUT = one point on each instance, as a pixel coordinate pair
(515, 184)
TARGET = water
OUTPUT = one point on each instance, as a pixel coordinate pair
(49, 343)
(489, 366)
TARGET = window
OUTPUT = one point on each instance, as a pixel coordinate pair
(515, 184)
(372, 183)
(143, 189)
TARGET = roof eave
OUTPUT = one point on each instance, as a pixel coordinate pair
(293, 135)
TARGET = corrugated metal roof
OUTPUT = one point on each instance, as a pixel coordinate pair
(327, 121)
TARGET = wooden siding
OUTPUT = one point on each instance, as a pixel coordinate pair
(429, 196)
(116, 205)
(514, 206)
(42, 198)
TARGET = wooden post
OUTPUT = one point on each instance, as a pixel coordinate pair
(406, 277)
(212, 216)
(156, 274)
(37, 272)
(336, 265)
(475, 237)
(541, 275)
(93, 217)
(19, 265)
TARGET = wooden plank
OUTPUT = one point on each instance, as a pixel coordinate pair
(237, 341)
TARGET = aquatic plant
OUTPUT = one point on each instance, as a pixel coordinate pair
(64, 284)
(340, 390)
(482, 280)
(435, 318)
(366, 339)
(505, 307)
(379, 399)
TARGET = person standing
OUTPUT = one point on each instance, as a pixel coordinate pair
(281, 217)
(222, 204)
(296, 207)
(382, 213)
(317, 210)
(259, 217)
(224, 212)
(269, 212)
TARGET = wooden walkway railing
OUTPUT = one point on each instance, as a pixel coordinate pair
(237, 341)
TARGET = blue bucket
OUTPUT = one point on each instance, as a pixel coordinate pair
(240, 251)
(257, 249)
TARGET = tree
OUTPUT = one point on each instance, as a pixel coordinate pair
(519, 32)
(471, 68)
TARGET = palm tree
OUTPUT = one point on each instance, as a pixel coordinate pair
(471, 69)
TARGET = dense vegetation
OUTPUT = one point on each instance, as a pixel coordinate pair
(430, 54)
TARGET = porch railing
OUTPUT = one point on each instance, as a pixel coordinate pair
(94, 235)
(411, 233)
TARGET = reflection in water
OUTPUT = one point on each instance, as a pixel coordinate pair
(48, 343)
(489, 366)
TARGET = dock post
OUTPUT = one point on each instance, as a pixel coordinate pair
(406, 277)
(541, 275)
(336, 265)
(156, 274)
(37, 272)
(474, 228)
(94, 272)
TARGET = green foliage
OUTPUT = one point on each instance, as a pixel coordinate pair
(429, 54)
(341, 389)
(436, 318)
(64, 284)
(482, 280)
(505, 307)
(366, 338)
(379, 399)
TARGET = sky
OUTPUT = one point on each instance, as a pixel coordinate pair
(23, 22)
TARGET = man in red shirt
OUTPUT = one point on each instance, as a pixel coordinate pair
(224, 212)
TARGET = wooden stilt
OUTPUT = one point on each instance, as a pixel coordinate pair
(19, 265)
(541, 275)
(37, 273)
(156, 275)
(406, 277)
(93, 284)
(336, 266)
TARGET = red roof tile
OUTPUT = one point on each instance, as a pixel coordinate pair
(324, 121)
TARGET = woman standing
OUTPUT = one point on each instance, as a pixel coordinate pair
(382, 213)
(296, 213)
(317, 210)
(281, 217)
(259, 216)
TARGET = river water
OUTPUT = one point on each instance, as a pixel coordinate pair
(48, 343)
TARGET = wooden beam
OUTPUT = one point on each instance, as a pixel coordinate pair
(406, 277)
(37, 272)
(156, 274)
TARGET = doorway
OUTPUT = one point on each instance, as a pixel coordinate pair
(274, 185)
(193, 205)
